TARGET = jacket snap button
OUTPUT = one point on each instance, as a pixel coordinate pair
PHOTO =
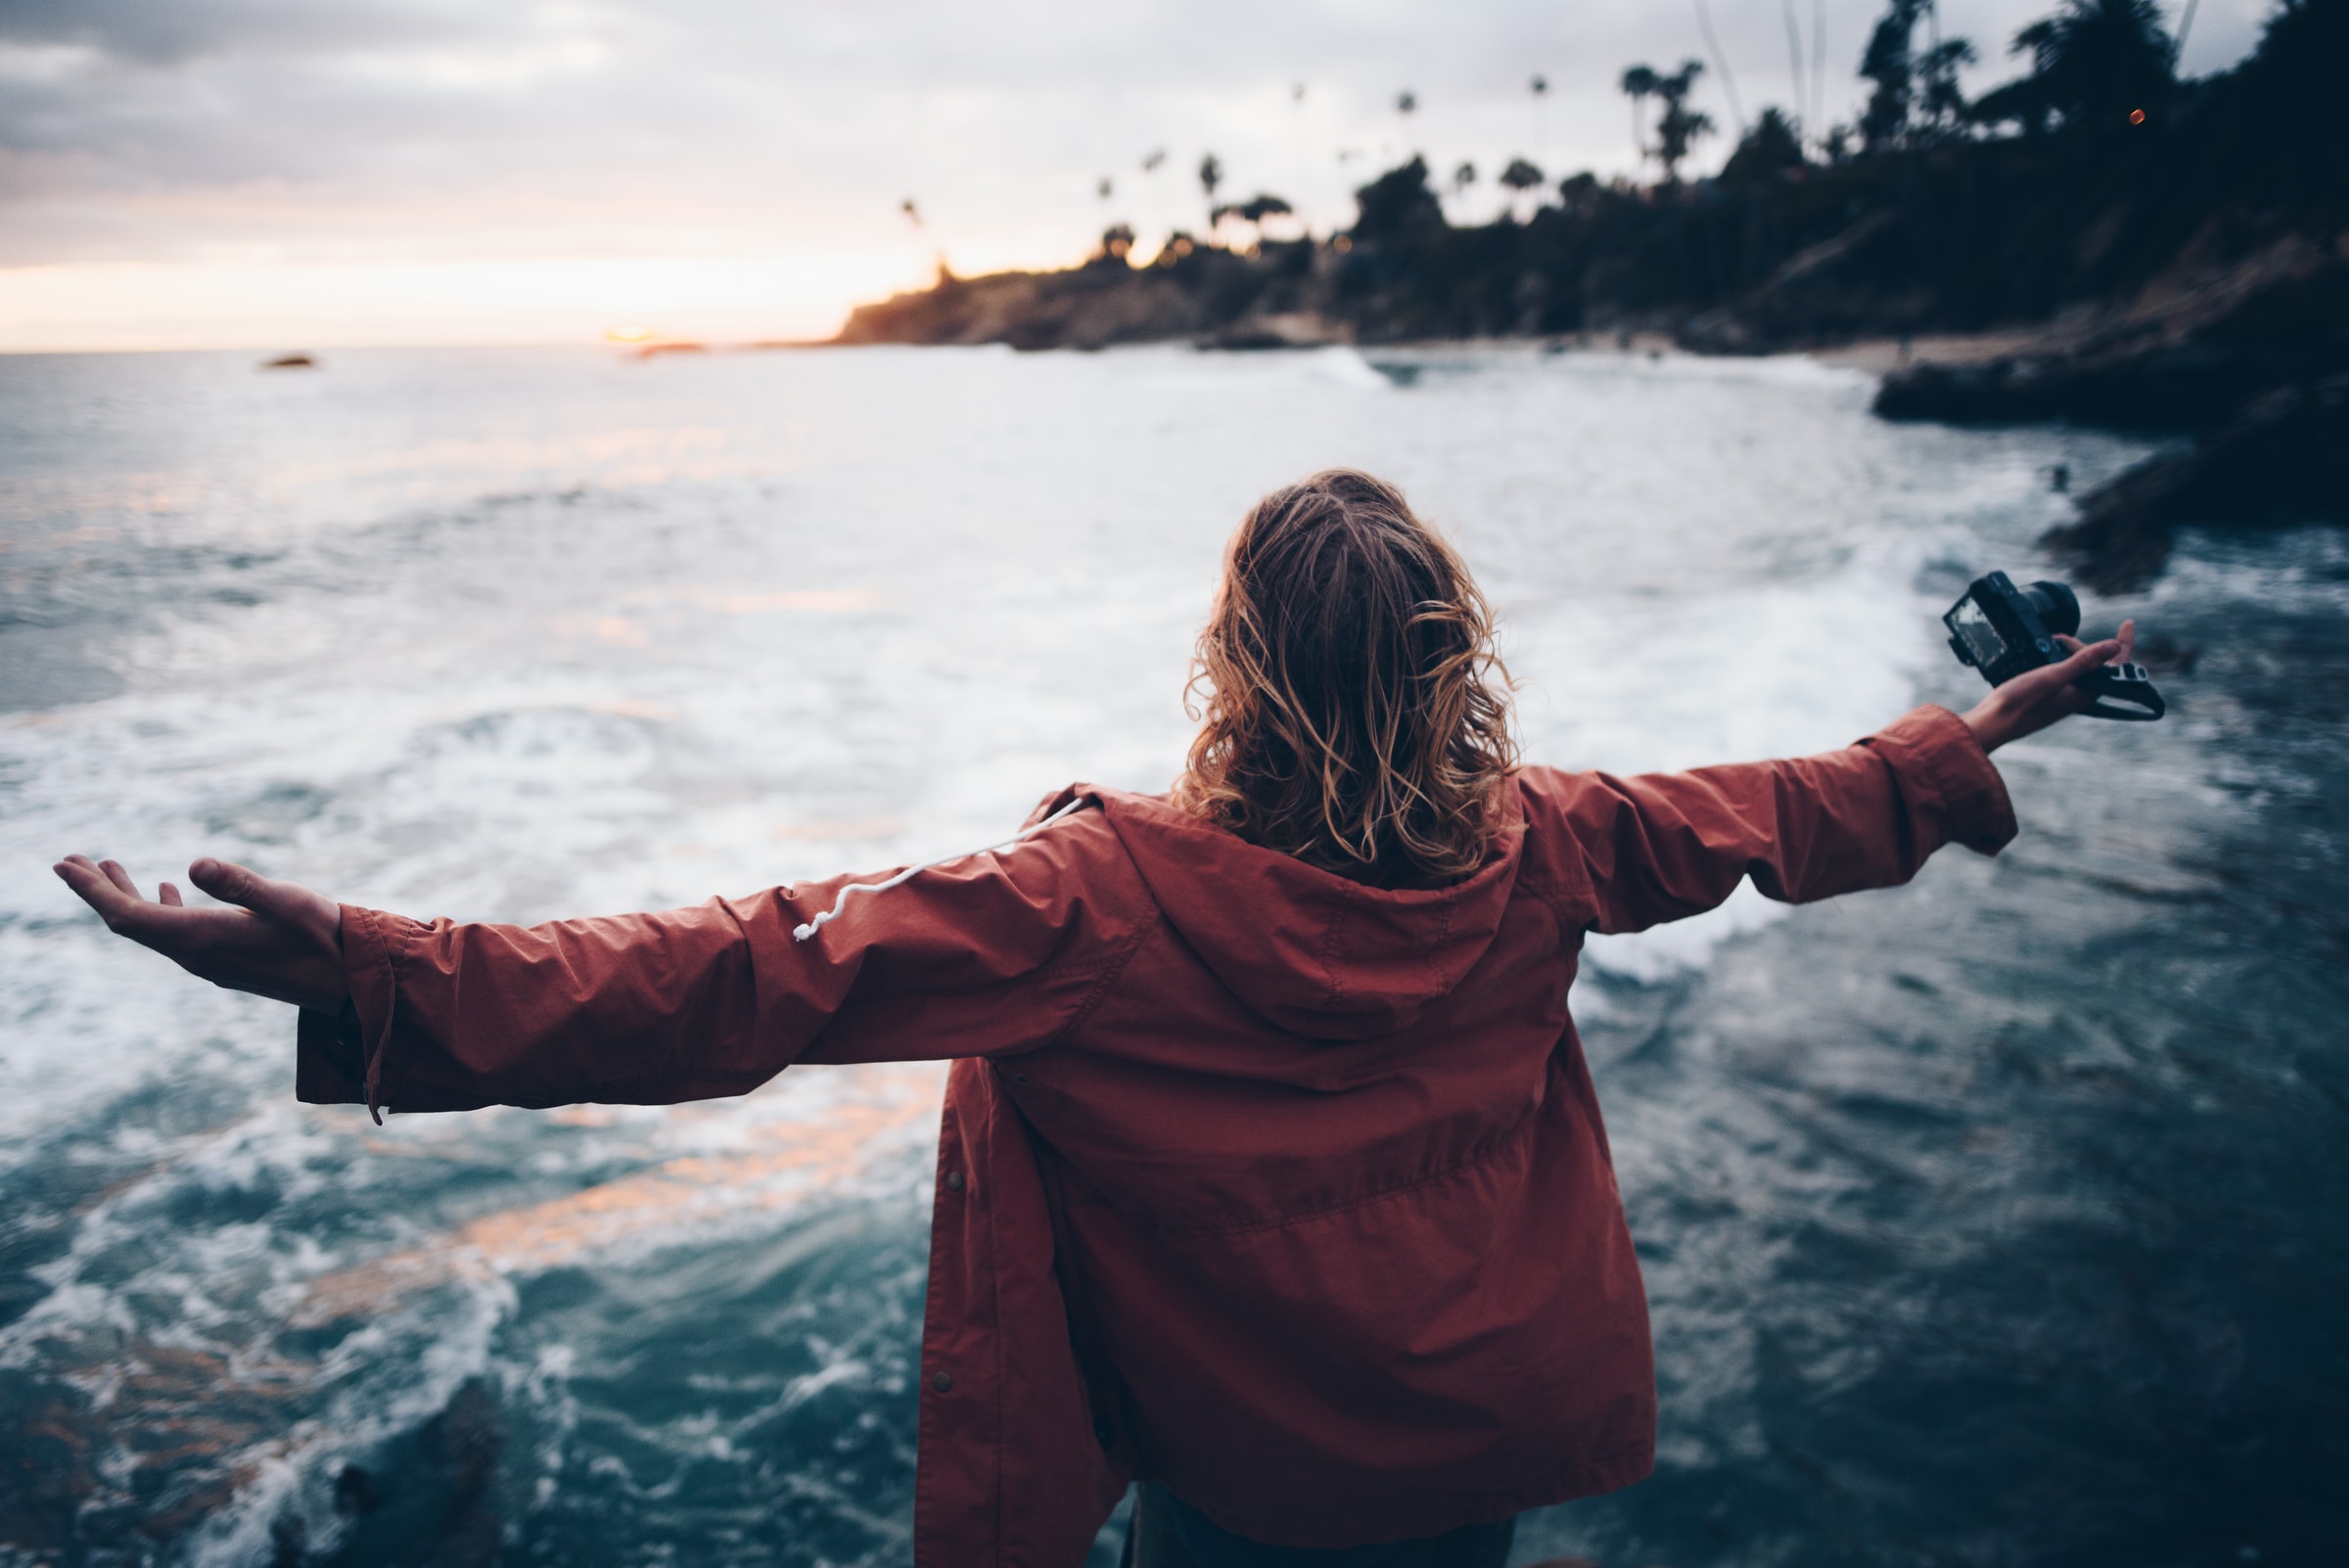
(943, 1381)
(953, 1181)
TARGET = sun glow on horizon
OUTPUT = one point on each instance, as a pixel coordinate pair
(270, 305)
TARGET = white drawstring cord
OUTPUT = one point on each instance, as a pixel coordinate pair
(803, 933)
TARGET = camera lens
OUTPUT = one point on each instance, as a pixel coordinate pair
(2058, 610)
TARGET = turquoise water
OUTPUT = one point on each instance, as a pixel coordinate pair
(2001, 1219)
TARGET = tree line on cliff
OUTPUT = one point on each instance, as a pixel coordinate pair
(2083, 179)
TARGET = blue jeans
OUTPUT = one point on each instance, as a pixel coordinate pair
(1169, 1533)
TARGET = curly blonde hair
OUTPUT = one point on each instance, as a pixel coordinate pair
(1353, 712)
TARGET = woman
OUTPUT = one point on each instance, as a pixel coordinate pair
(1270, 1170)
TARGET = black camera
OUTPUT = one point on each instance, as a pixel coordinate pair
(2004, 630)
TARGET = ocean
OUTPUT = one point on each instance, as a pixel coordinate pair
(1998, 1219)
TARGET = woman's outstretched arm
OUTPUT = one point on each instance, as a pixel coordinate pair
(987, 955)
(1662, 847)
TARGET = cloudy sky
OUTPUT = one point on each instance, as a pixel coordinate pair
(267, 173)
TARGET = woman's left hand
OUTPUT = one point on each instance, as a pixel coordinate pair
(2038, 698)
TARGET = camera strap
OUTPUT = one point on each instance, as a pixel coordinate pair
(2122, 691)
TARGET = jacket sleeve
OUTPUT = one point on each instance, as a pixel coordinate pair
(1665, 845)
(989, 955)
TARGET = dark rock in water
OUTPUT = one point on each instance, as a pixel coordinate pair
(289, 362)
(2285, 457)
(2011, 390)
(434, 1496)
(52, 1468)
(355, 1492)
(463, 1445)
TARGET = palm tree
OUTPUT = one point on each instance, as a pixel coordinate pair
(1254, 213)
(1520, 177)
(1211, 175)
(1942, 104)
(1638, 83)
(1889, 64)
(1772, 145)
(2098, 61)
(1680, 125)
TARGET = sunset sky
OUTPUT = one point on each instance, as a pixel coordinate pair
(287, 174)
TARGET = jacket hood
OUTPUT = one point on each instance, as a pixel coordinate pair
(1310, 951)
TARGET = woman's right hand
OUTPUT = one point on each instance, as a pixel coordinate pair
(283, 940)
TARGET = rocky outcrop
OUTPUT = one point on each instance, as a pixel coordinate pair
(2252, 359)
(2195, 345)
(1092, 306)
(1271, 297)
(2283, 457)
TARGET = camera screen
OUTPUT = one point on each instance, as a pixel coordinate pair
(1981, 637)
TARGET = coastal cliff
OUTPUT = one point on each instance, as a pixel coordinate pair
(1221, 297)
(2183, 269)
(2250, 358)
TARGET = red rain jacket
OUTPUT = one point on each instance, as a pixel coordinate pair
(1289, 1192)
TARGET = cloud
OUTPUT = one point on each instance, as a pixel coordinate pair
(295, 132)
(167, 33)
